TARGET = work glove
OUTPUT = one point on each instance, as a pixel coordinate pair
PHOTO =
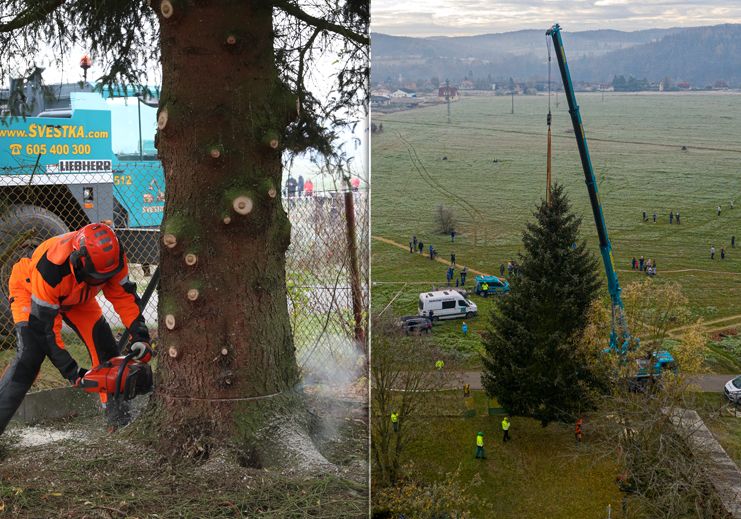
(78, 379)
(139, 332)
(141, 351)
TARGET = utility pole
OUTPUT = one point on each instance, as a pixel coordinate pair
(513, 101)
(447, 97)
(556, 98)
(548, 163)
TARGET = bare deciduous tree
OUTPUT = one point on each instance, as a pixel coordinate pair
(445, 219)
(662, 471)
(401, 381)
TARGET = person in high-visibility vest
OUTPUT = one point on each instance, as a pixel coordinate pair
(505, 428)
(395, 421)
(577, 429)
(480, 446)
(439, 365)
(485, 289)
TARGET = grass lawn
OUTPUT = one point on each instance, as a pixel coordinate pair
(724, 356)
(540, 473)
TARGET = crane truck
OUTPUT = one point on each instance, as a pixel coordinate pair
(620, 338)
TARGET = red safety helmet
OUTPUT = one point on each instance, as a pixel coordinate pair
(97, 254)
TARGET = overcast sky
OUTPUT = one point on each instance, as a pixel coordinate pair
(467, 17)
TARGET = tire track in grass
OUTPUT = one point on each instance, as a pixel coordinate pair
(473, 212)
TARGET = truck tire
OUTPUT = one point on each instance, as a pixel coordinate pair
(16, 221)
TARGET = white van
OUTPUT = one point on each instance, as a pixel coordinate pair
(445, 304)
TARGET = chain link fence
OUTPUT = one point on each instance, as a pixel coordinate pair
(38, 202)
(320, 278)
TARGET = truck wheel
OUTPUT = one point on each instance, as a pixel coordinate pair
(23, 227)
(469, 315)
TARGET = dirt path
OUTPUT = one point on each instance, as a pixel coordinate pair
(707, 383)
(730, 321)
(676, 271)
(673, 333)
(406, 248)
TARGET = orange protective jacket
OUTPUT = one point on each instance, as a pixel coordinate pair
(45, 286)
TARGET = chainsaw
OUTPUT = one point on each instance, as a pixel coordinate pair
(123, 377)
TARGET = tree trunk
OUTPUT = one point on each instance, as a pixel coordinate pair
(230, 340)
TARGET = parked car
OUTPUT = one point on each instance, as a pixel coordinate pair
(445, 304)
(495, 286)
(415, 324)
(733, 390)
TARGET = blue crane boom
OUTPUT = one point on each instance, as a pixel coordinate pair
(620, 339)
(620, 344)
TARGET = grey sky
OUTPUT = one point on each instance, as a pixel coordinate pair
(467, 17)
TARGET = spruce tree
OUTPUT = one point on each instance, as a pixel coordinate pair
(532, 365)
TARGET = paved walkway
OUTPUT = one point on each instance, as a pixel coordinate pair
(725, 476)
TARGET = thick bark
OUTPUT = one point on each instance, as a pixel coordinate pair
(233, 342)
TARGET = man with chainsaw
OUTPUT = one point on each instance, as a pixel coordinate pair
(59, 284)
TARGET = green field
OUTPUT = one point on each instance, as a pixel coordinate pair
(494, 175)
(540, 473)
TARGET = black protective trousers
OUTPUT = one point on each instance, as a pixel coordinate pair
(31, 350)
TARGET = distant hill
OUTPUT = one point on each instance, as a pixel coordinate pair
(700, 55)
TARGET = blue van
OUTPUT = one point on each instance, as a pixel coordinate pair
(496, 286)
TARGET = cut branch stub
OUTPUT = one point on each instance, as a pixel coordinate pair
(166, 8)
(162, 119)
(170, 240)
(193, 294)
(268, 187)
(170, 321)
(224, 351)
(173, 352)
(242, 205)
(215, 151)
(231, 39)
(271, 139)
(191, 259)
(241, 201)
(226, 219)
(175, 229)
